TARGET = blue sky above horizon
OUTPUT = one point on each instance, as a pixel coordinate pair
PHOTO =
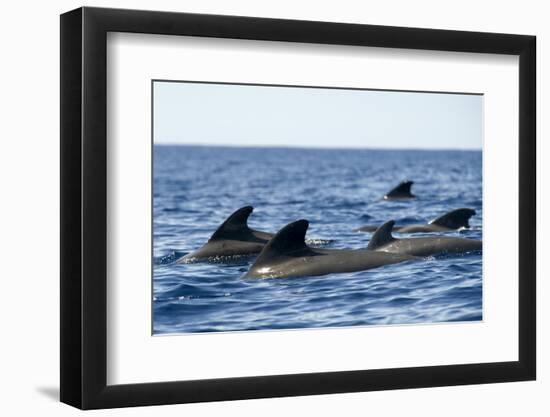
(252, 115)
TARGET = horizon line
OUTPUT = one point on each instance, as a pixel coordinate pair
(268, 146)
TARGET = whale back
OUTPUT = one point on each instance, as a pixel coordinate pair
(455, 219)
(382, 236)
(403, 190)
(235, 226)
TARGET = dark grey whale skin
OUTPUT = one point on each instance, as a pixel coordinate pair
(287, 255)
(232, 238)
(383, 241)
(450, 221)
(400, 192)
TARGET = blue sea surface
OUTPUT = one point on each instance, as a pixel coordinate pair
(195, 188)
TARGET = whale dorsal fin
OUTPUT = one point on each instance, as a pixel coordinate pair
(382, 236)
(455, 219)
(403, 190)
(289, 239)
(234, 225)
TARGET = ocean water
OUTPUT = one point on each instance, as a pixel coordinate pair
(196, 188)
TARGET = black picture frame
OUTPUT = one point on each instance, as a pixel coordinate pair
(84, 207)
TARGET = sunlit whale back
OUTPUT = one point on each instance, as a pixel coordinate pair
(383, 241)
(288, 255)
(232, 238)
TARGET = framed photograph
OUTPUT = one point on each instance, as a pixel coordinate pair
(257, 208)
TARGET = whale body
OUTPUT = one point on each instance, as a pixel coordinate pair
(450, 221)
(383, 241)
(232, 238)
(401, 191)
(288, 255)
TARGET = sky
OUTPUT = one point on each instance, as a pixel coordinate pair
(190, 113)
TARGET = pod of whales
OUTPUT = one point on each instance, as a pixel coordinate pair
(288, 255)
(452, 220)
(232, 238)
(402, 191)
(382, 240)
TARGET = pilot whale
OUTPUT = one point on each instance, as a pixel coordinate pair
(232, 238)
(401, 191)
(288, 255)
(452, 220)
(383, 241)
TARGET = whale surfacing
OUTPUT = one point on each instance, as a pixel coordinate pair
(450, 221)
(383, 241)
(232, 238)
(402, 191)
(288, 255)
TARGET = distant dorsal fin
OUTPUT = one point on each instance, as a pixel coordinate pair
(234, 225)
(455, 219)
(382, 236)
(403, 190)
(289, 239)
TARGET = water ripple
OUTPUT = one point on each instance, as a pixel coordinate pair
(337, 191)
